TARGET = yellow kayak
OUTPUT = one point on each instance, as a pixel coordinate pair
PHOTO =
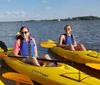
(62, 74)
(77, 56)
(9, 49)
(1, 83)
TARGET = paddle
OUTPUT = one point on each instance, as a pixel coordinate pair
(48, 44)
(93, 65)
(18, 78)
(3, 56)
(3, 47)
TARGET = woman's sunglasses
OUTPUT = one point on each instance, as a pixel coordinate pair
(24, 32)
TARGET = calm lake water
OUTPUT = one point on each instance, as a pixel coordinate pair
(86, 32)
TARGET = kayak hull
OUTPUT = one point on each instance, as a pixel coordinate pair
(77, 56)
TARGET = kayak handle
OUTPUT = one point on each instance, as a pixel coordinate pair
(93, 56)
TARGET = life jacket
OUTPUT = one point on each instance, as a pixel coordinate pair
(68, 39)
(27, 48)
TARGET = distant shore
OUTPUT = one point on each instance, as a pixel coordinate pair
(70, 19)
(65, 19)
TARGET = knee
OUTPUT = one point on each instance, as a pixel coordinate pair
(47, 56)
(72, 47)
(80, 44)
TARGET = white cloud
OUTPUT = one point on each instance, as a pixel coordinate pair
(9, 0)
(44, 1)
(13, 14)
(49, 8)
(8, 12)
(19, 13)
(1, 16)
(38, 15)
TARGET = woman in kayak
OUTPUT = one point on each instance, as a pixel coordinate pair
(67, 41)
(25, 46)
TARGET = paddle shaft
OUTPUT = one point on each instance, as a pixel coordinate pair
(39, 59)
(63, 61)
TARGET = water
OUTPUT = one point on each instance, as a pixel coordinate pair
(86, 32)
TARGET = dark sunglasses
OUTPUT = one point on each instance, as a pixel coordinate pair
(24, 32)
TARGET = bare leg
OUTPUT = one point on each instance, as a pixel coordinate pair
(34, 61)
(70, 47)
(46, 56)
(49, 63)
(80, 47)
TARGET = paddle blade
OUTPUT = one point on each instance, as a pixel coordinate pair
(94, 65)
(47, 44)
(18, 77)
(2, 55)
(51, 41)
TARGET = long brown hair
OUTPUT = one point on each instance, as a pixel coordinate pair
(23, 28)
(19, 36)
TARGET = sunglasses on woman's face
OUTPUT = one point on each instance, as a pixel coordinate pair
(24, 32)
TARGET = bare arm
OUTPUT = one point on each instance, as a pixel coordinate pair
(35, 48)
(60, 42)
(17, 48)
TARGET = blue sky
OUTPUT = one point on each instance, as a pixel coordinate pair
(21, 10)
